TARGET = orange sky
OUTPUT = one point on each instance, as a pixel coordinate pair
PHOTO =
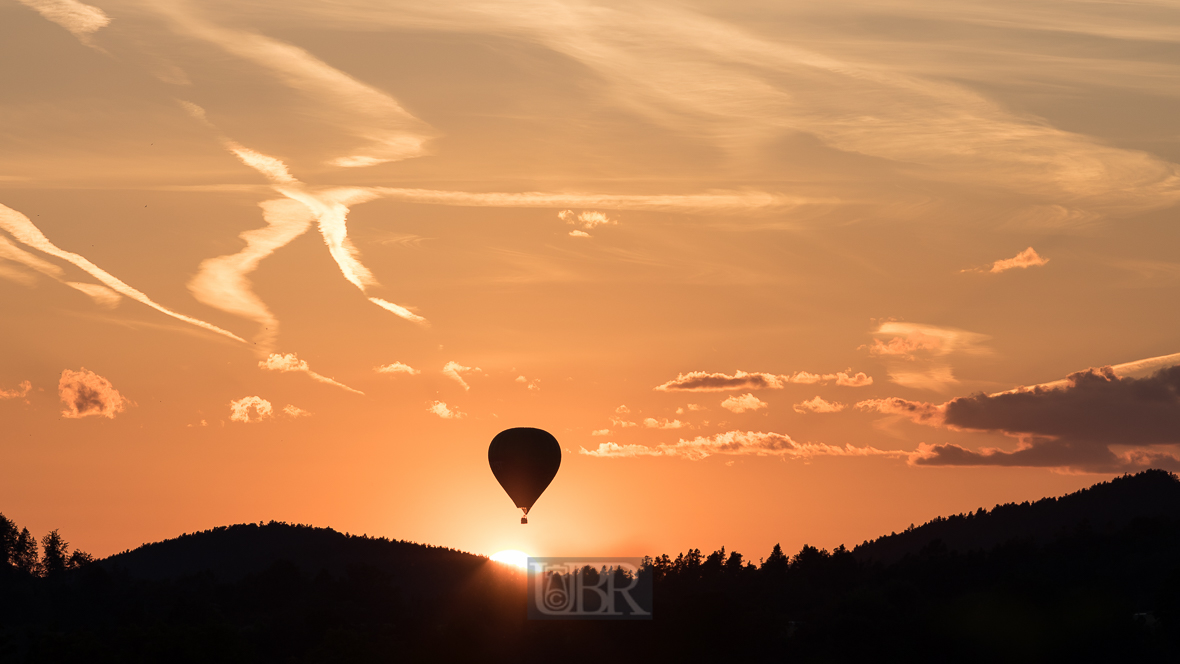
(747, 262)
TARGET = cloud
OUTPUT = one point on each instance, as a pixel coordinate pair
(918, 412)
(742, 404)
(588, 220)
(389, 131)
(21, 392)
(700, 381)
(250, 409)
(738, 443)
(86, 393)
(653, 423)
(289, 363)
(818, 405)
(80, 19)
(532, 384)
(623, 424)
(221, 282)
(23, 230)
(937, 378)
(397, 368)
(454, 371)
(9, 251)
(712, 201)
(600, 432)
(911, 338)
(848, 380)
(329, 207)
(919, 353)
(295, 411)
(1025, 259)
(623, 409)
(440, 408)
(1099, 422)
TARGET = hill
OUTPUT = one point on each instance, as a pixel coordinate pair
(1104, 508)
(1091, 576)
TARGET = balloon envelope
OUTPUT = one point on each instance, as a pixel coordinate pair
(524, 461)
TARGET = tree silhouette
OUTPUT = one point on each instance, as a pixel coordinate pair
(776, 563)
(8, 537)
(55, 557)
(25, 557)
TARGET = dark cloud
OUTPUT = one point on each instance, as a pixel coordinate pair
(1097, 422)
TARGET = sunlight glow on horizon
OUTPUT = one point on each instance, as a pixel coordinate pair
(511, 557)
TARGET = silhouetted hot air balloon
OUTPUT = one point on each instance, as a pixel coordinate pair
(524, 461)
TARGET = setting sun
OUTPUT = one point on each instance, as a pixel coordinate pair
(511, 557)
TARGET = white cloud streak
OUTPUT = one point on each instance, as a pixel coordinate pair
(397, 368)
(738, 443)
(222, 283)
(23, 230)
(390, 131)
(1025, 259)
(9, 251)
(289, 363)
(454, 371)
(80, 19)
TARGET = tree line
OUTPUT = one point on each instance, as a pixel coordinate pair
(19, 551)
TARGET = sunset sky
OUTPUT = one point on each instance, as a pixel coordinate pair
(769, 271)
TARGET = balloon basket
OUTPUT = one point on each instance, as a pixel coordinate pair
(524, 519)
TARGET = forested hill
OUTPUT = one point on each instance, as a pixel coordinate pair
(230, 553)
(1103, 508)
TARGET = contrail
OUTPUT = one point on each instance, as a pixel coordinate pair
(100, 294)
(21, 228)
(221, 282)
(330, 207)
(291, 363)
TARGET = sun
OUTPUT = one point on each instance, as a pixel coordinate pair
(512, 557)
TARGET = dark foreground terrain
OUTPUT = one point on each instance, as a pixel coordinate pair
(1092, 576)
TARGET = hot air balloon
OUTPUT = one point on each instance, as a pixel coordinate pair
(524, 461)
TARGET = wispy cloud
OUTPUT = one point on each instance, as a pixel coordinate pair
(441, 409)
(221, 282)
(397, 368)
(653, 423)
(530, 384)
(743, 404)
(23, 230)
(295, 411)
(920, 353)
(86, 394)
(389, 131)
(738, 443)
(455, 371)
(250, 409)
(289, 363)
(1025, 259)
(818, 405)
(80, 19)
(9, 251)
(918, 412)
(20, 392)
